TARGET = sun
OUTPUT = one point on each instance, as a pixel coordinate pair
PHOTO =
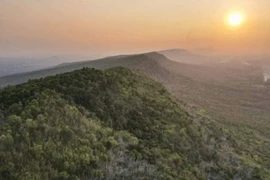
(235, 19)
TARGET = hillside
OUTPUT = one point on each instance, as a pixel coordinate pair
(112, 124)
(234, 94)
(236, 88)
(124, 60)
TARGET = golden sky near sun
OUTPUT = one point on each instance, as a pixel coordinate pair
(49, 26)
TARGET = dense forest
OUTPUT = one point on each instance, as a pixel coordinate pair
(107, 125)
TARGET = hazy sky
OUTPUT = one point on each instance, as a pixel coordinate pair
(124, 26)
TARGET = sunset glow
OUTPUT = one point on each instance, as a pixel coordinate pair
(235, 19)
(97, 26)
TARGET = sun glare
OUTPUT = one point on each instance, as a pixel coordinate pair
(235, 19)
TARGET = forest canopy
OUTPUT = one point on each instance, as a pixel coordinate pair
(111, 124)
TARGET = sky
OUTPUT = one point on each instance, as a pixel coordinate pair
(32, 27)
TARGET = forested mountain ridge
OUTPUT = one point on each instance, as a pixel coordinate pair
(112, 124)
(136, 61)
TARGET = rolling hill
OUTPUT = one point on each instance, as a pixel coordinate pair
(234, 94)
(132, 61)
(112, 124)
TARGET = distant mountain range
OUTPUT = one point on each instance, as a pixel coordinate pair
(19, 71)
(123, 60)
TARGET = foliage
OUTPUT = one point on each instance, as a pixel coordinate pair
(112, 124)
